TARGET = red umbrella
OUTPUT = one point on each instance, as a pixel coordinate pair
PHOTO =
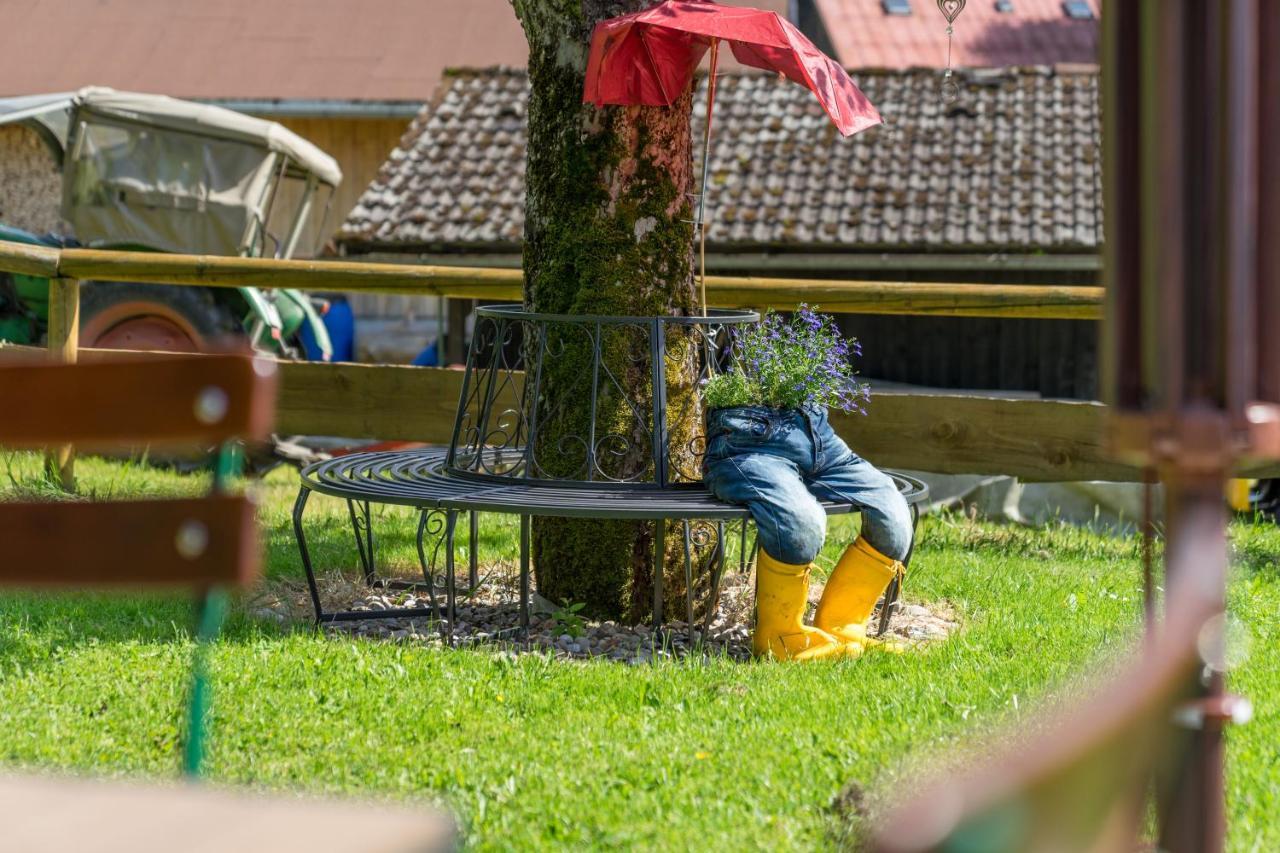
(649, 58)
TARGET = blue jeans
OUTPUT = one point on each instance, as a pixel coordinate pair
(780, 462)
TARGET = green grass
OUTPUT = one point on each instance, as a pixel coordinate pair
(534, 753)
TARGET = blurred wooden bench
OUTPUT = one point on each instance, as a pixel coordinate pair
(1082, 779)
(193, 402)
(205, 545)
(51, 815)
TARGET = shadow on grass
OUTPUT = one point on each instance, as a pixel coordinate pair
(37, 628)
(1256, 547)
(332, 544)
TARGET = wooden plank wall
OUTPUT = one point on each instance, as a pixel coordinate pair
(1055, 358)
(360, 146)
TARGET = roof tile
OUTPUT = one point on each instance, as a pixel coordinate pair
(1013, 165)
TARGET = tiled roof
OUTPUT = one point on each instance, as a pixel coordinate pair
(1013, 165)
(1036, 32)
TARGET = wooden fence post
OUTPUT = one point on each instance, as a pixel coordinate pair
(64, 345)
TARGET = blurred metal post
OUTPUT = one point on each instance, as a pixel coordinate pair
(1192, 364)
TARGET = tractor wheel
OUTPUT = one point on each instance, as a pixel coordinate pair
(152, 317)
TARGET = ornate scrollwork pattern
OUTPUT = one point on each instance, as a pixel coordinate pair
(594, 399)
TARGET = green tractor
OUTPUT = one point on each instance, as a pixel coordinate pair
(152, 173)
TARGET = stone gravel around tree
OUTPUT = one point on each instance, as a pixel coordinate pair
(490, 616)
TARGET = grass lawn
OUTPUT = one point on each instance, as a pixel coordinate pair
(532, 752)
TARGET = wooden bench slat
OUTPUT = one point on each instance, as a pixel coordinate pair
(1077, 778)
(130, 400)
(145, 543)
(68, 815)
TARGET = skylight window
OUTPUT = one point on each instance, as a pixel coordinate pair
(1077, 10)
(896, 7)
(1004, 7)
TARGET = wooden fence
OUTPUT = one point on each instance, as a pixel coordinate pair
(1035, 440)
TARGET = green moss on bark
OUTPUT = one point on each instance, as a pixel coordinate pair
(606, 232)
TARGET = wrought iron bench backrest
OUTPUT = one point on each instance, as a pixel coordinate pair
(573, 399)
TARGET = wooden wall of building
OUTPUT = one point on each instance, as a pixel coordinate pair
(360, 145)
(1053, 358)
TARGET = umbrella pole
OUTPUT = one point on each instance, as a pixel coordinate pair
(706, 150)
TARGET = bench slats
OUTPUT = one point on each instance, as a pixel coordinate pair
(129, 400)
(146, 543)
(57, 814)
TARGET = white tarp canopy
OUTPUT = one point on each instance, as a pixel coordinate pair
(152, 172)
(53, 113)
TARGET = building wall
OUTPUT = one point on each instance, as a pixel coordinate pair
(359, 145)
(1053, 358)
(30, 184)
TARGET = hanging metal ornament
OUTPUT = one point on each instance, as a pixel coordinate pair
(950, 10)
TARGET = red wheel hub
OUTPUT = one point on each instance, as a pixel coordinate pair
(141, 326)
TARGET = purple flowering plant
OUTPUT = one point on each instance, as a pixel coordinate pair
(786, 364)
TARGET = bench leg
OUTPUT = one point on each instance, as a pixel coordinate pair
(211, 612)
(362, 525)
(364, 545)
(299, 506)
(428, 575)
(451, 575)
(473, 570)
(894, 591)
(717, 575)
(688, 579)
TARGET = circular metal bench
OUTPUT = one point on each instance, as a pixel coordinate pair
(420, 479)
(563, 416)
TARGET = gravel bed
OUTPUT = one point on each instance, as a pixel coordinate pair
(489, 616)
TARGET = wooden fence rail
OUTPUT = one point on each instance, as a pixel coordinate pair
(1045, 302)
(1035, 440)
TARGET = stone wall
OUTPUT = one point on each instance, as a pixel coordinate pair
(30, 184)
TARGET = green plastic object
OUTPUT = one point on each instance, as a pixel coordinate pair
(211, 613)
(34, 293)
(15, 330)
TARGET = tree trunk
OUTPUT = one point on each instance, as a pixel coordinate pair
(606, 232)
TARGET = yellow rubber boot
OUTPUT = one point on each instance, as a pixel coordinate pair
(851, 593)
(782, 593)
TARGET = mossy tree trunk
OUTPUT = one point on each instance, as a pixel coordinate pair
(606, 232)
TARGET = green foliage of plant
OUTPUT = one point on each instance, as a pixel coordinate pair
(568, 620)
(729, 390)
(535, 753)
(786, 364)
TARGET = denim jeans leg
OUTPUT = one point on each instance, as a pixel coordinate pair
(791, 524)
(886, 517)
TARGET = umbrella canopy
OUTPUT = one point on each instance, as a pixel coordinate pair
(649, 57)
